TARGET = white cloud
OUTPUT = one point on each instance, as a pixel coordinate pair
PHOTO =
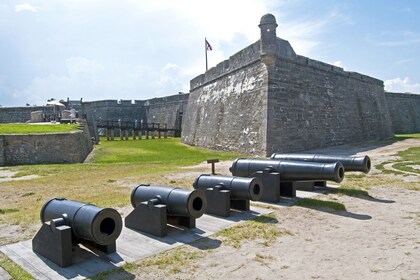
(92, 80)
(403, 61)
(338, 63)
(169, 66)
(26, 7)
(170, 79)
(303, 34)
(401, 85)
(81, 65)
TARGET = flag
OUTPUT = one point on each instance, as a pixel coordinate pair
(208, 46)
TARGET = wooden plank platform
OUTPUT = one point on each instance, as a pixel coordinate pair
(131, 246)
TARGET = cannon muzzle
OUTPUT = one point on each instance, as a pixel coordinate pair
(356, 163)
(88, 222)
(289, 170)
(239, 187)
(178, 201)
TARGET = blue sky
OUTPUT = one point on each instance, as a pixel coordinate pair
(138, 49)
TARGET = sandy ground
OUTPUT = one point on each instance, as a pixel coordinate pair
(378, 237)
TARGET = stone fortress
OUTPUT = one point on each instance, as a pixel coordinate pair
(265, 99)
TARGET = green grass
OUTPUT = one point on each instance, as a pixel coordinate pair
(160, 151)
(403, 166)
(412, 135)
(317, 204)
(23, 128)
(170, 262)
(262, 227)
(106, 181)
(5, 211)
(349, 192)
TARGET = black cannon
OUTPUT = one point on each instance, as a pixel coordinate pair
(156, 206)
(280, 177)
(350, 163)
(67, 223)
(226, 192)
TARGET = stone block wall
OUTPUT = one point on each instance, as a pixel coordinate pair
(166, 110)
(267, 99)
(404, 109)
(21, 114)
(312, 105)
(20, 149)
(115, 109)
(229, 113)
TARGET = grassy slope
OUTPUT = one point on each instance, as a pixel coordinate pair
(106, 181)
(23, 128)
(168, 151)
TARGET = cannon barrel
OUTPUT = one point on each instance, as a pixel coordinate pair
(289, 170)
(88, 222)
(240, 187)
(350, 163)
(178, 201)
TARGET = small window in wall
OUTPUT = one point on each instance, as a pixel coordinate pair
(133, 101)
(118, 101)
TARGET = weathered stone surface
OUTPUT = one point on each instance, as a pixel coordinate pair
(229, 113)
(311, 106)
(19, 149)
(22, 114)
(405, 111)
(267, 99)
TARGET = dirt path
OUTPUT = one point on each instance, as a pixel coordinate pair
(377, 237)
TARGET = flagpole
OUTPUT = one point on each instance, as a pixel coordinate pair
(205, 48)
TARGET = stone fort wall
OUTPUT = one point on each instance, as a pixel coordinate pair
(164, 110)
(405, 111)
(266, 99)
(46, 148)
(21, 114)
(226, 105)
(313, 104)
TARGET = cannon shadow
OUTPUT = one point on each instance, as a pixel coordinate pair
(355, 194)
(342, 213)
(330, 207)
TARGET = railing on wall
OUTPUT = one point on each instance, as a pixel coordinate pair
(137, 129)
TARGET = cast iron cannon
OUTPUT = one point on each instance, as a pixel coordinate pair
(350, 163)
(156, 206)
(226, 192)
(67, 223)
(279, 177)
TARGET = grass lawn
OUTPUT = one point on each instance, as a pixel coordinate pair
(25, 128)
(165, 152)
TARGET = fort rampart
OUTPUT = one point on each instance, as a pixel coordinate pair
(267, 99)
(405, 111)
(45, 148)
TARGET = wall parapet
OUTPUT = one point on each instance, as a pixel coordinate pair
(239, 60)
(284, 51)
